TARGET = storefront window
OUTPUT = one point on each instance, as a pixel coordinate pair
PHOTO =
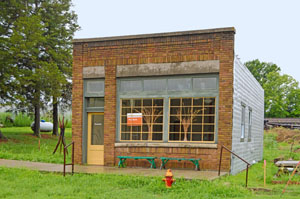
(142, 119)
(192, 119)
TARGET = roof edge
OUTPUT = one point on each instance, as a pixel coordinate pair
(153, 35)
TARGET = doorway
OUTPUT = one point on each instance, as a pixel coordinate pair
(95, 139)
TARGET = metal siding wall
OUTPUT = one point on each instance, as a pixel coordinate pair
(248, 91)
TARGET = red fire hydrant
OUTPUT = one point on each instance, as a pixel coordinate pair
(169, 178)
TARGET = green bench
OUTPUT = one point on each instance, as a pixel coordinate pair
(195, 161)
(124, 158)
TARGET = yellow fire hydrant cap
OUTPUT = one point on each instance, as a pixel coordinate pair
(169, 173)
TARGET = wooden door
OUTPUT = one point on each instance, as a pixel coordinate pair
(95, 145)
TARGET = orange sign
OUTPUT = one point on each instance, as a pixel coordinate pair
(134, 119)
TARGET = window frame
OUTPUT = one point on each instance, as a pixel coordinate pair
(243, 122)
(202, 124)
(141, 132)
(250, 124)
(166, 94)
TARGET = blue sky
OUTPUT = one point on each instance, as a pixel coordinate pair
(268, 30)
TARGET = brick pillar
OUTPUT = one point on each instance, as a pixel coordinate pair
(77, 95)
(110, 114)
(226, 97)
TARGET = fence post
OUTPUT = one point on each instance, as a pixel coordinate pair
(73, 158)
(64, 161)
(220, 162)
(247, 176)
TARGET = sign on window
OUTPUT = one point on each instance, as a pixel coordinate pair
(134, 119)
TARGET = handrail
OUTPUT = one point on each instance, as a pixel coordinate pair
(65, 151)
(248, 164)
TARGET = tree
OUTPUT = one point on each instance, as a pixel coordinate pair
(260, 70)
(26, 45)
(282, 92)
(36, 36)
(186, 117)
(150, 116)
(61, 24)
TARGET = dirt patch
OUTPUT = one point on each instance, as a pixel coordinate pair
(297, 150)
(43, 136)
(284, 182)
(9, 140)
(3, 141)
(287, 135)
(260, 189)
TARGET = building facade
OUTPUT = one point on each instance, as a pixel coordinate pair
(180, 94)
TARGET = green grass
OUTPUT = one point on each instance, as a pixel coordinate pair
(22, 145)
(34, 184)
(22, 183)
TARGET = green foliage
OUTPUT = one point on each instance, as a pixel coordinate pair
(4, 121)
(260, 70)
(282, 92)
(36, 52)
(22, 120)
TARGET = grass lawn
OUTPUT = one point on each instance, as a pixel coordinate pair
(22, 183)
(21, 145)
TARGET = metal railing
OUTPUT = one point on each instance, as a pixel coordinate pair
(248, 164)
(65, 152)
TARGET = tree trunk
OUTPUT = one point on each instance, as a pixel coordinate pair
(37, 116)
(55, 117)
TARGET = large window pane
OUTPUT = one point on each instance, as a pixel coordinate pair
(142, 119)
(191, 119)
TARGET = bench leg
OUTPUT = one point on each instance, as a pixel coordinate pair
(152, 162)
(163, 164)
(122, 163)
(196, 163)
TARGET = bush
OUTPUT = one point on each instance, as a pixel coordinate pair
(5, 121)
(22, 120)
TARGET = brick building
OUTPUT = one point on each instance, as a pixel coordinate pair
(178, 94)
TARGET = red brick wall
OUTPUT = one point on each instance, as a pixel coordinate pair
(201, 47)
(110, 112)
(77, 96)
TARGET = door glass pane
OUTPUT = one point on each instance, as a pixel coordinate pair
(97, 134)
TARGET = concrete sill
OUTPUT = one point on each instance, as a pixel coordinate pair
(168, 145)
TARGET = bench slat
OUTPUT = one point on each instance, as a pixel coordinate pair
(124, 158)
(195, 161)
(164, 158)
(136, 157)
